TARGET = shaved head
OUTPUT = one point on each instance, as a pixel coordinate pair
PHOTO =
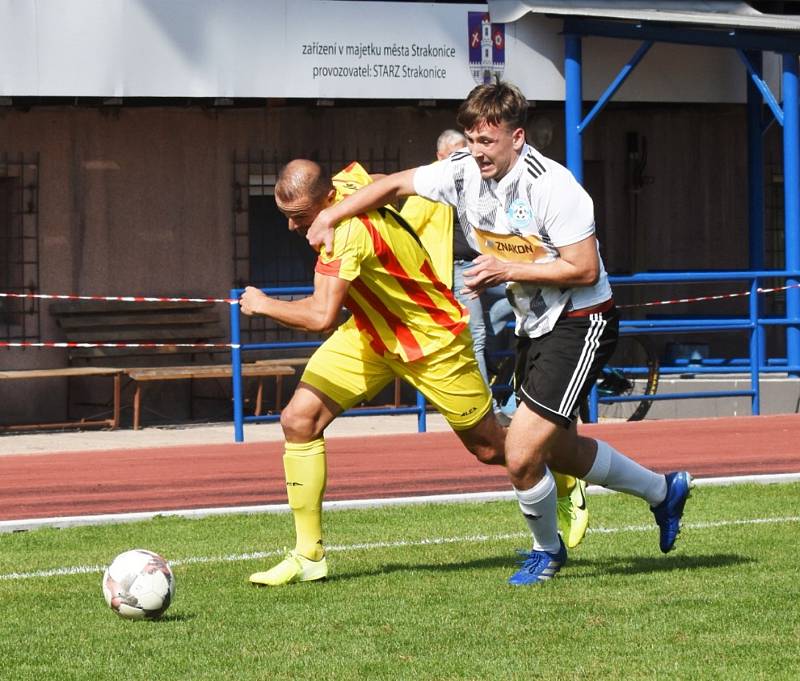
(303, 189)
(302, 180)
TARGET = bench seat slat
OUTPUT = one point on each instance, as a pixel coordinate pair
(104, 321)
(209, 371)
(83, 307)
(60, 373)
(122, 334)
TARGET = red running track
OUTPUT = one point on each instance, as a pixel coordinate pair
(185, 477)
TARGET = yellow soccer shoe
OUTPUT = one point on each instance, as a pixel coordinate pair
(573, 516)
(293, 568)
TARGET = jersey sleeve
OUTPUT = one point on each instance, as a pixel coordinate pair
(351, 246)
(435, 182)
(567, 210)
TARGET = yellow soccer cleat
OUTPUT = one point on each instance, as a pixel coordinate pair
(293, 568)
(573, 516)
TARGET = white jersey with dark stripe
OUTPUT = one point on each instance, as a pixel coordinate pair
(538, 200)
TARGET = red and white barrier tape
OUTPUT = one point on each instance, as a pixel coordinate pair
(698, 299)
(124, 299)
(233, 301)
(75, 344)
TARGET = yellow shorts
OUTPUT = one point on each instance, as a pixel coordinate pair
(349, 371)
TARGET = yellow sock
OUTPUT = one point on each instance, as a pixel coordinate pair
(306, 476)
(564, 484)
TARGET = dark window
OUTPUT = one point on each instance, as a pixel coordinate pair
(266, 254)
(278, 257)
(19, 247)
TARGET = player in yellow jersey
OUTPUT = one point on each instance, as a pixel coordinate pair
(404, 322)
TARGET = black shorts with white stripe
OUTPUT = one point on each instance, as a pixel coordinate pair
(555, 372)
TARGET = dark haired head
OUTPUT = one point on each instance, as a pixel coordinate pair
(494, 103)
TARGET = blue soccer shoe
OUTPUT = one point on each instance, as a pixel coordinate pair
(668, 513)
(539, 566)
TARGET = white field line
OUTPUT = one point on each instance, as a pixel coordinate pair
(194, 513)
(369, 546)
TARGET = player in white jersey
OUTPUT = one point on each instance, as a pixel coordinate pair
(534, 226)
(537, 208)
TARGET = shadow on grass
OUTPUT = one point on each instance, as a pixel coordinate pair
(613, 565)
(176, 617)
(636, 565)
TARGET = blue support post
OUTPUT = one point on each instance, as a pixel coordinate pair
(755, 167)
(755, 175)
(594, 412)
(755, 354)
(754, 69)
(616, 84)
(236, 369)
(422, 422)
(573, 104)
(791, 198)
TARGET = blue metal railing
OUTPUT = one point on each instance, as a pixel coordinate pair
(752, 324)
(237, 347)
(787, 113)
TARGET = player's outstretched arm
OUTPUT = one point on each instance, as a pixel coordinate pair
(383, 191)
(318, 313)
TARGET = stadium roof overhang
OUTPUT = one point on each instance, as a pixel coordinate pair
(719, 13)
(715, 24)
(736, 25)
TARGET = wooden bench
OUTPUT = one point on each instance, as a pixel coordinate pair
(111, 321)
(178, 373)
(173, 326)
(70, 372)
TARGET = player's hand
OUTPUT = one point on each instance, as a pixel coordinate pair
(486, 272)
(320, 233)
(252, 300)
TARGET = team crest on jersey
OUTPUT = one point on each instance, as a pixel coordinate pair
(487, 47)
(520, 214)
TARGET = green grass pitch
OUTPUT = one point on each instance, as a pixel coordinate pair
(419, 592)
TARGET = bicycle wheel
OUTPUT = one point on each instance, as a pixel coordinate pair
(633, 369)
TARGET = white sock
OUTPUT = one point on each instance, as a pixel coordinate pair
(538, 505)
(616, 471)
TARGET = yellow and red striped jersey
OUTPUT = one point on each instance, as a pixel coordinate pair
(395, 297)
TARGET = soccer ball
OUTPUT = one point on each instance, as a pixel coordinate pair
(139, 585)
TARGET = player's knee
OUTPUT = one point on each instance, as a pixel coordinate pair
(486, 454)
(297, 424)
(522, 466)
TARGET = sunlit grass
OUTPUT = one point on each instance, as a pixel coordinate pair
(419, 592)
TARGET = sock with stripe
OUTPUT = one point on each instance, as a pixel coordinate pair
(538, 505)
(616, 471)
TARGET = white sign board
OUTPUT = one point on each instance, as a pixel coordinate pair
(321, 49)
(381, 50)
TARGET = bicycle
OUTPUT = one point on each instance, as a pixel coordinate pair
(633, 369)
